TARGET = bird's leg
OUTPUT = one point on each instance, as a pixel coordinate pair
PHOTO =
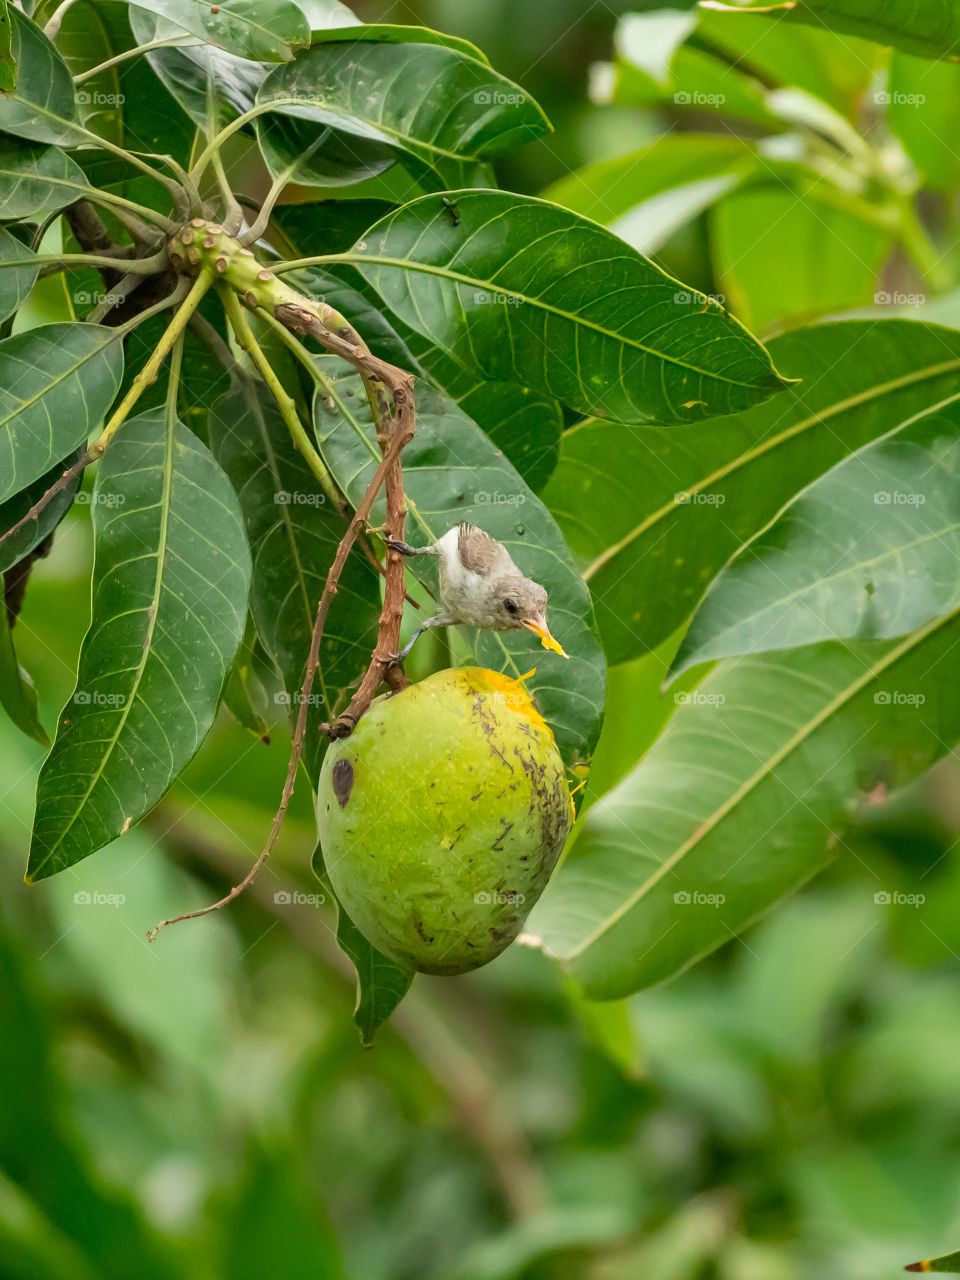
(405, 549)
(439, 620)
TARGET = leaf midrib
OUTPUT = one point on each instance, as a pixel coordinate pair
(459, 277)
(766, 446)
(147, 645)
(798, 738)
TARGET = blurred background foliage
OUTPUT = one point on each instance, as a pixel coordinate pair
(787, 1109)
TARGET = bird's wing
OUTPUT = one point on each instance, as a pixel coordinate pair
(480, 553)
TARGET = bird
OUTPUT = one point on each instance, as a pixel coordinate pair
(480, 586)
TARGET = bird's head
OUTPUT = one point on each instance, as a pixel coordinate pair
(523, 603)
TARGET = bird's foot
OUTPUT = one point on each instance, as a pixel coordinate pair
(404, 548)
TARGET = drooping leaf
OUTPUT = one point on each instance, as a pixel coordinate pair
(329, 20)
(36, 180)
(171, 579)
(18, 697)
(244, 696)
(870, 550)
(452, 472)
(41, 107)
(188, 70)
(15, 282)
(14, 509)
(268, 32)
(56, 384)
(928, 28)
(649, 40)
(293, 533)
(526, 292)
(656, 514)
(826, 256)
(524, 423)
(745, 795)
(371, 97)
(647, 195)
(381, 983)
(8, 63)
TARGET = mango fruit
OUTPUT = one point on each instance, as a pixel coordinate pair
(442, 817)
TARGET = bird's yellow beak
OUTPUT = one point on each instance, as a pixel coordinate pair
(539, 628)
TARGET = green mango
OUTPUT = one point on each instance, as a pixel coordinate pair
(442, 817)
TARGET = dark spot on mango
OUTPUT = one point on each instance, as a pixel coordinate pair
(342, 780)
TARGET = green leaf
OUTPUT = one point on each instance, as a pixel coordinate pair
(657, 514)
(524, 291)
(647, 195)
(42, 106)
(948, 1262)
(171, 579)
(294, 533)
(928, 28)
(15, 282)
(8, 63)
(14, 509)
(870, 550)
(36, 181)
(373, 95)
(827, 257)
(18, 697)
(187, 71)
(924, 100)
(452, 472)
(743, 797)
(244, 696)
(250, 28)
(56, 384)
(381, 983)
(330, 20)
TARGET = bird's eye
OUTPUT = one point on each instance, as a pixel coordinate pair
(510, 606)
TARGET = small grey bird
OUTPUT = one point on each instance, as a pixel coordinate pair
(480, 586)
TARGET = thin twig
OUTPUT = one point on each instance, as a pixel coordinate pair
(355, 527)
